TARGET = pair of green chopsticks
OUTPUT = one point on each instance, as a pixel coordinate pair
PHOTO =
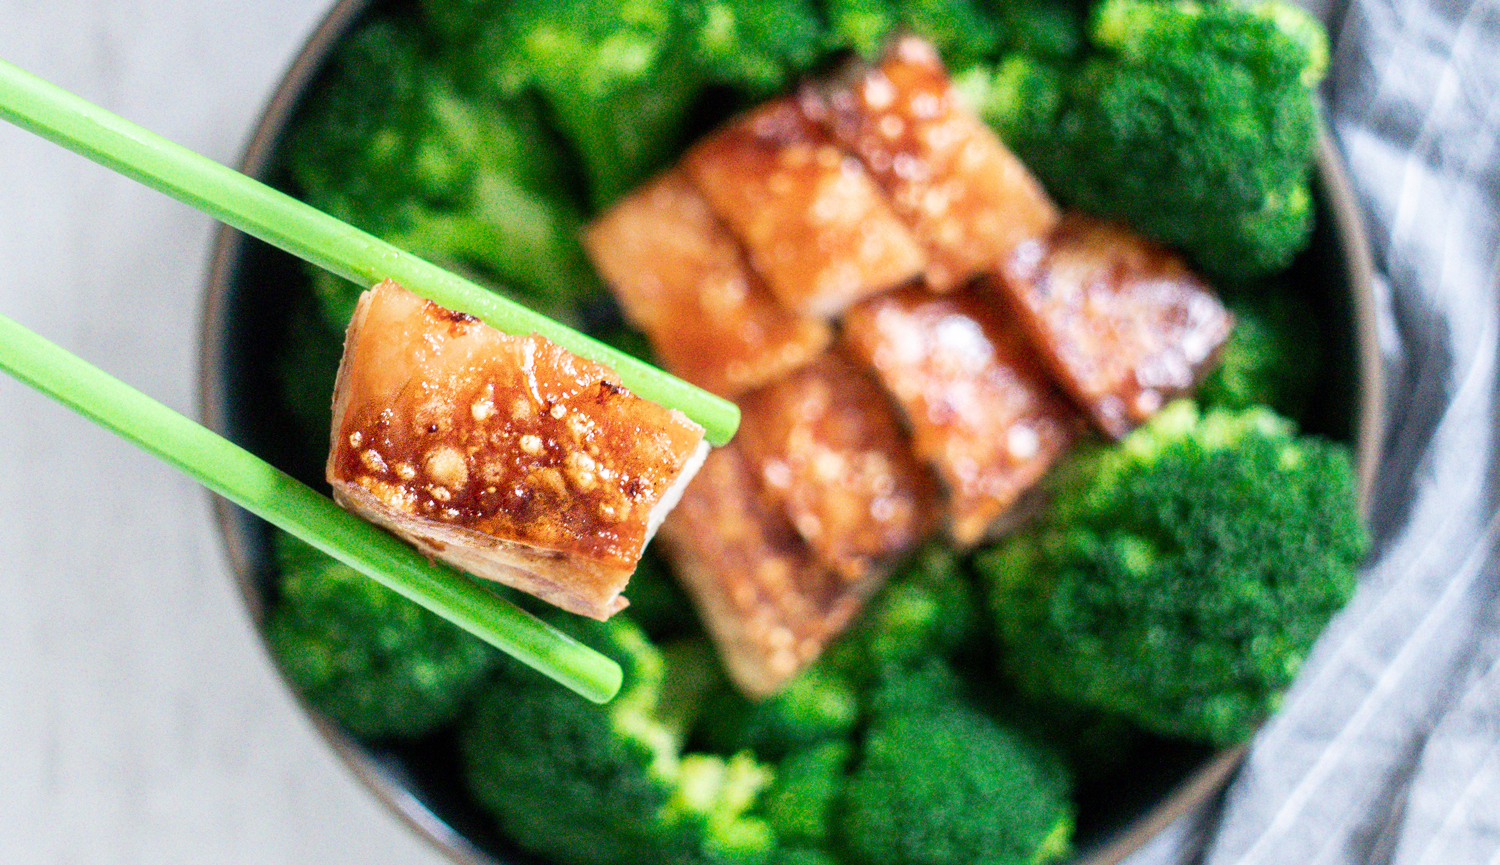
(245, 479)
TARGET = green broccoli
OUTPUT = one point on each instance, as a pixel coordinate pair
(618, 78)
(937, 781)
(389, 145)
(1181, 576)
(756, 46)
(371, 660)
(306, 367)
(589, 785)
(1272, 356)
(800, 804)
(817, 705)
(964, 31)
(1195, 123)
(927, 609)
(1042, 28)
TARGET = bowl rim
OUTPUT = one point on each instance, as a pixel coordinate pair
(1197, 788)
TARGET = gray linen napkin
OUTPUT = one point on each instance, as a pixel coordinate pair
(1387, 749)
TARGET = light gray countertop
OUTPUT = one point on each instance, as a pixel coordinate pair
(140, 718)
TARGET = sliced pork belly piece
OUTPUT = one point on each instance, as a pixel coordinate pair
(981, 410)
(965, 196)
(829, 449)
(505, 456)
(769, 606)
(1122, 321)
(681, 277)
(815, 225)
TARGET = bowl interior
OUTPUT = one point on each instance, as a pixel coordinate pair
(253, 290)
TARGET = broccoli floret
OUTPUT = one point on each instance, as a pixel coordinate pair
(1042, 28)
(389, 145)
(371, 660)
(940, 782)
(306, 367)
(1181, 576)
(1195, 123)
(657, 602)
(585, 785)
(927, 609)
(1272, 356)
(817, 705)
(799, 805)
(618, 78)
(964, 31)
(757, 46)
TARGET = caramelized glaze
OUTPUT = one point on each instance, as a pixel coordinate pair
(1122, 322)
(459, 432)
(681, 277)
(768, 604)
(814, 225)
(964, 195)
(981, 410)
(830, 451)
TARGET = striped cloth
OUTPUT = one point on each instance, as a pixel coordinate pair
(1387, 750)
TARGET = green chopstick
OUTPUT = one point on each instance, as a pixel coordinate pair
(304, 231)
(266, 491)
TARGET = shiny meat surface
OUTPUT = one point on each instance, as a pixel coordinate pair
(1122, 321)
(830, 450)
(680, 276)
(768, 605)
(814, 224)
(981, 410)
(506, 456)
(964, 195)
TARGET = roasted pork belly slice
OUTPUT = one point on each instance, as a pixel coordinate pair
(982, 412)
(962, 192)
(768, 604)
(506, 456)
(828, 447)
(681, 277)
(813, 223)
(1121, 321)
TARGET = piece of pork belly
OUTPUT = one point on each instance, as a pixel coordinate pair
(964, 194)
(506, 456)
(1122, 321)
(982, 412)
(681, 277)
(813, 223)
(829, 448)
(768, 604)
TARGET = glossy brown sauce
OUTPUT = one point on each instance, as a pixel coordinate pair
(511, 437)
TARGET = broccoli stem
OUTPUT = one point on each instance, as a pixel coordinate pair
(310, 234)
(273, 495)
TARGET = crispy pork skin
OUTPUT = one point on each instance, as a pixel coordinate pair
(813, 222)
(506, 456)
(768, 604)
(962, 192)
(681, 277)
(828, 447)
(1123, 323)
(982, 412)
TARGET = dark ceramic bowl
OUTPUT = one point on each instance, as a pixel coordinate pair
(249, 292)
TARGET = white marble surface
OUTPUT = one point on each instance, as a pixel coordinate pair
(140, 721)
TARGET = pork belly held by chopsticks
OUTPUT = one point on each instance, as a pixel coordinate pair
(829, 449)
(1122, 322)
(982, 412)
(962, 192)
(814, 225)
(681, 277)
(506, 456)
(769, 606)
